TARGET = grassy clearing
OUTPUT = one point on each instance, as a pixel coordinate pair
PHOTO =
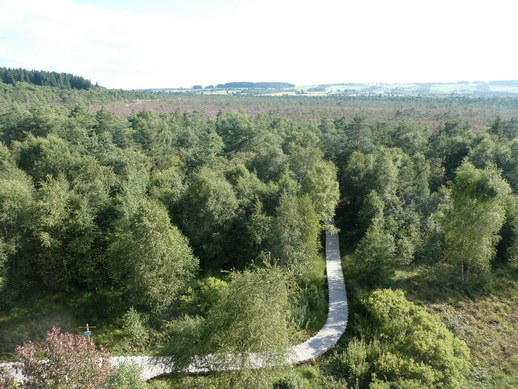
(484, 316)
(32, 318)
(31, 321)
(489, 328)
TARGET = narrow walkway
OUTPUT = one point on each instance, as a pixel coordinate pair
(324, 340)
(336, 322)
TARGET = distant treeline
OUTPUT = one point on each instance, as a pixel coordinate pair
(42, 78)
(256, 85)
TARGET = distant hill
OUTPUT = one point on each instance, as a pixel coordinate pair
(505, 82)
(255, 85)
(43, 78)
(462, 88)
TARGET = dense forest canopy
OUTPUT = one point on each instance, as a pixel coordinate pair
(43, 78)
(171, 228)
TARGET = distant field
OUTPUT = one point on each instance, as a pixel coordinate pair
(466, 89)
(474, 89)
(505, 89)
(427, 111)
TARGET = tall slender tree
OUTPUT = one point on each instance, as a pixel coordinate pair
(479, 199)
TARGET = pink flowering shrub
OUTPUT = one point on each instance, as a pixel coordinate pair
(64, 361)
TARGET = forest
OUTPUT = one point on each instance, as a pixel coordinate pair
(182, 231)
(38, 77)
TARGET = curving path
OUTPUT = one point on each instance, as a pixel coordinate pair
(338, 312)
(324, 340)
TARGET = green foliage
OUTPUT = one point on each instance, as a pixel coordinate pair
(322, 187)
(270, 164)
(89, 201)
(357, 132)
(65, 235)
(375, 255)
(16, 197)
(197, 142)
(127, 376)
(291, 381)
(251, 318)
(450, 144)
(511, 249)
(423, 349)
(184, 340)
(41, 157)
(402, 345)
(293, 237)
(26, 94)
(354, 178)
(372, 208)
(76, 181)
(259, 224)
(507, 129)
(38, 77)
(151, 257)
(479, 200)
(409, 137)
(133, 325)
(209, 291)
(310, 301)
(211, 199)
(237, 131)
(355, 364)
(153, 134)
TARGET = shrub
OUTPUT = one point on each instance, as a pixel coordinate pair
(127, 376)
(134, 328)
(310, 301)
(209, 291)
(72, 361)
(419, 347)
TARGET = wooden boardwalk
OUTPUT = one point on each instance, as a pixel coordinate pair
(338, 312)
(324, 340)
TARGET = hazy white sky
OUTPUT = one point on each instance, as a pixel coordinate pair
(134, 44)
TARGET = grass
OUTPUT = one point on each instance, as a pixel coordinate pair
(31, 321)
(489, 328)
(310, 306)
(32, 318)
(485, 316)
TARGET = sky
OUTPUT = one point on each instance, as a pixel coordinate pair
(132, 44)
